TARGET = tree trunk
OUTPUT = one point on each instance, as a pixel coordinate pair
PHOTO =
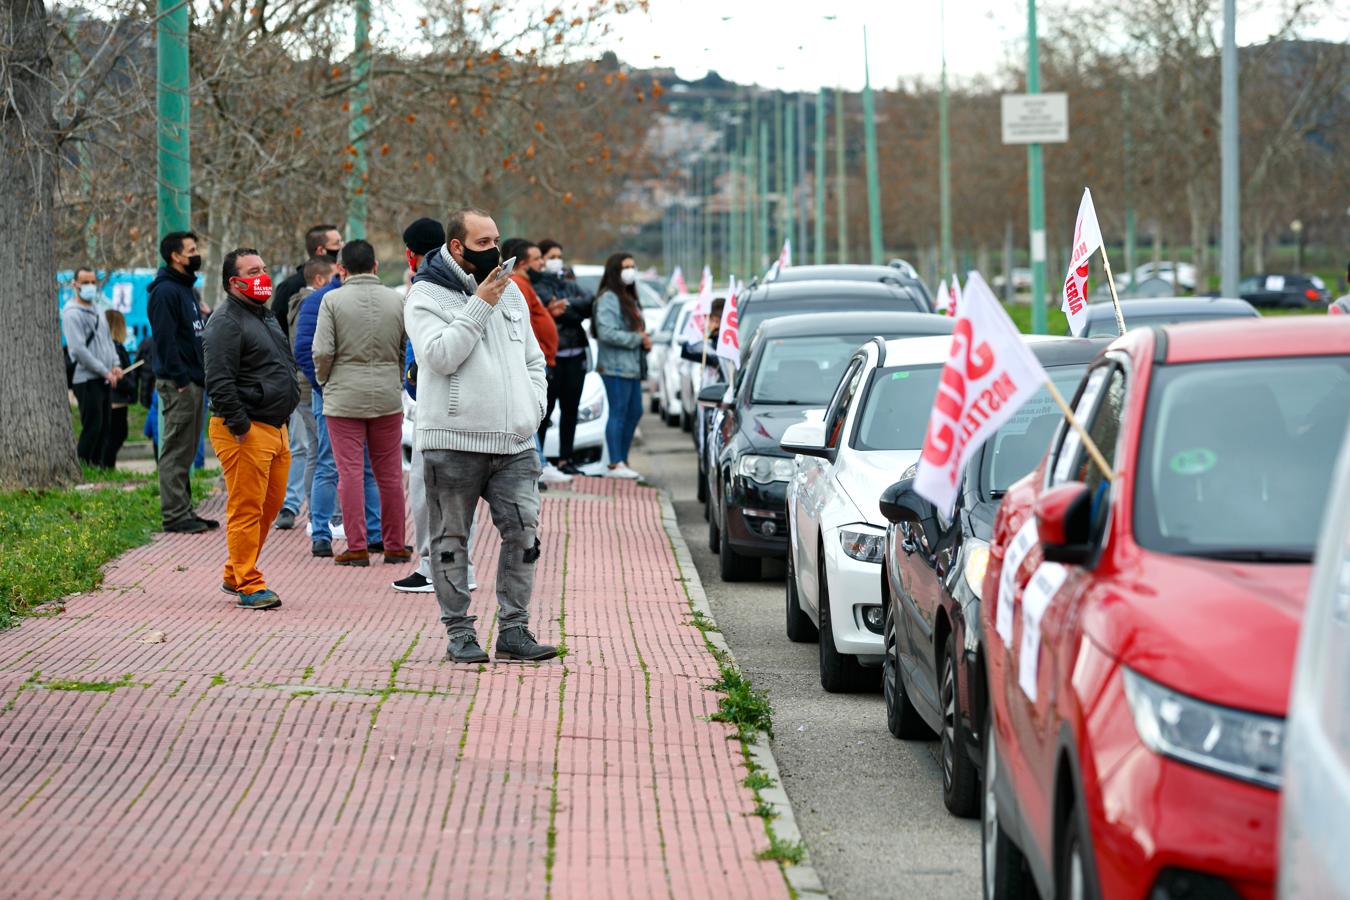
(37, 445)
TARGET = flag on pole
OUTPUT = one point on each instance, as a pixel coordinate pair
(990, 373)
(697, 322)
(954, 296)
(677, 281)
(1087, 240)
(944, 300)
(729, 335)
(785, 255)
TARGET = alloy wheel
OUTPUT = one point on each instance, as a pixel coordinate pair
(991, 826)
(890, 666)
(948, 721)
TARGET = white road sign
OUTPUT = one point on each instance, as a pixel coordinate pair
(1035, 118)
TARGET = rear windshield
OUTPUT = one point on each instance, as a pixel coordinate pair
(1106, 327)
(1236, 456)
(756, 313)
(802, 371)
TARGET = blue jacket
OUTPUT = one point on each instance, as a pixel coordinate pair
(305, 324)
(176, 323)
(409, 361)
(619, 350)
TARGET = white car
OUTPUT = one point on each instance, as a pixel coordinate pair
(1166, 269)
(662, 344)
(1314, 827)
(652, 303)
(868, 436)
(668, 401)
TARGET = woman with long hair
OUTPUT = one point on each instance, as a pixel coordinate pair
(123, 395)
(622, 343)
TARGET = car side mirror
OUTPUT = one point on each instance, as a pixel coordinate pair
(806, 439)
(901, 503)
(712, 395)
(1064, 523)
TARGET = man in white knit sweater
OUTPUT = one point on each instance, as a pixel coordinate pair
(481, 395)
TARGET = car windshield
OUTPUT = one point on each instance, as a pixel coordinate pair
(756, 313)
(896, 407)
(802, 371)
(1106, 326)
(1017, 447)
(1236, 456)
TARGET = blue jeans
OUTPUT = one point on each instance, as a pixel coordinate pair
(323, 496)
(300, 482)
(625, 409)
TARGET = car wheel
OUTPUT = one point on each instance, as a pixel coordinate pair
(840, 673)
(1074, 870)
(1005, 873)
(655, 404)
(902, 719)
(733, 566)
(686, 422)
(714, 533)
(960, 781)
(702, 486)
(800, 628)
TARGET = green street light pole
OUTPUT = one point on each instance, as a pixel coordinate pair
(870, 144)
(789, 167)
(777, 185)
(763, 245)
(356, 132)
(733, 248)
(1036, 187)
(173, 118)
(818, 239)
(748, 203)
(840, 176)
(946, 264)
(1129, 177)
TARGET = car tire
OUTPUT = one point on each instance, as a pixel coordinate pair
(960, 779)
(1075, 874)
(714, 533)
(1004, 872)
(702, 486)
(733, 566)
(902, 719)
(800, 628)
(686, 422)
(655, 404)
(840, 673)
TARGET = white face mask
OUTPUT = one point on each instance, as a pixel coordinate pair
(628, 276)
(554, 266)
(88, 292)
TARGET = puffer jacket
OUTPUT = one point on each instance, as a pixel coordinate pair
(358, 349)
(250, 370)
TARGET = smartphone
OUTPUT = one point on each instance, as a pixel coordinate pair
(506, 268)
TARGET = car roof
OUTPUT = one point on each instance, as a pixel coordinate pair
(857, 272)
(780, 292)
(1236, 339)
(1162, 306)
(876, 322)
(1051, 350)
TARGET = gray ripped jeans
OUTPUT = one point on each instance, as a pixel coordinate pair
(510, 485)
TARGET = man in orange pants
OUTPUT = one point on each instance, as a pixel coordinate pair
(252, 382)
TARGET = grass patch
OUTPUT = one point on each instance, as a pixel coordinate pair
(75, 684)
(740, 704)
(55, 543)
(703, 622)
(779, 850)
(758, 780)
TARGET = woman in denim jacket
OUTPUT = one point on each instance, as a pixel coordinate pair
(622, 343)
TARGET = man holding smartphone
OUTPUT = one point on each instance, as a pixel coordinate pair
(481, 395)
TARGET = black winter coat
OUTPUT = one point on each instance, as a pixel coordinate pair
(250, 370)
(282, 294)
(550, 287)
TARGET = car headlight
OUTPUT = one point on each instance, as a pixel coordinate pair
(977, 560)
(764, 469)
(869, 548)
(1244, 745)
(592, 411)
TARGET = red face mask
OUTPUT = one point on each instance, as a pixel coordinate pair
(258, 288)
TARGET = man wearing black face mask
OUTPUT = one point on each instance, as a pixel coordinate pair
(176, 324)
(321, 241)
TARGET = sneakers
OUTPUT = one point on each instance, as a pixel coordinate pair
(516, 643)
(285, 520)
(187, 526)
(321, 548)
(359, 558)
(263, 599)
(416, 583)
(464, 649)
(553, 475)
(622, 471)
(392, 557)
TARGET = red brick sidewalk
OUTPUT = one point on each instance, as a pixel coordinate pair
(324, 748)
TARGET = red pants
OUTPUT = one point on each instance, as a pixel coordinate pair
(255, 485)
(384, 437)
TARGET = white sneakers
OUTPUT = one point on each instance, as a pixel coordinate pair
(553, 475)
(622, 471)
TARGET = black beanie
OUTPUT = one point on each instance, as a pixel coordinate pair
(424, 236)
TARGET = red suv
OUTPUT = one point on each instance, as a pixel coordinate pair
(1140, 630)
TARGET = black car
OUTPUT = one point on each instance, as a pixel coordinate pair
(773, 299)
(932, 574)
(1294, 291)
(899, 272)
(793, 365)
(1141, 313)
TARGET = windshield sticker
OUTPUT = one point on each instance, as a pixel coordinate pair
(1007, 577)
(1195, 461)
(896, 376)
(1041, 589)
(1034, 408)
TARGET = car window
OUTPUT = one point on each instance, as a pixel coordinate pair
(802, 371)
(669, 319)
(1018, 446)
(1105, 433)
(1236, 456)
(1067, 442)
(1249, 285)
(896, 408)
(843, 395)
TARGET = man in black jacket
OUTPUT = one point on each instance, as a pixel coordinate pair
(570, 305)
(176, 323)
(320, 241)
(252, 381)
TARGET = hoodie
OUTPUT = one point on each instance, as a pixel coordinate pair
(176, 323)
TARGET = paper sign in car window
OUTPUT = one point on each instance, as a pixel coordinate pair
(1018, 548)
(1274, 282)
(1040, 590)
(1068, 453)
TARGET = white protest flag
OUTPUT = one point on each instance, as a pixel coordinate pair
(697, 322)
(677, 281)
(990, 372)
(729, 335)
(785, 255)
(944, 300)
(954, 296)
(1087, 240)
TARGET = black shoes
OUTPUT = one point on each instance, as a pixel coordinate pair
(321, 548)
(375, 547)
(516, 643)
(285, 520)
(188, 526)
(211, 524)
(464, 649)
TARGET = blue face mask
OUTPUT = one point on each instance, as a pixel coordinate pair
(88, 292)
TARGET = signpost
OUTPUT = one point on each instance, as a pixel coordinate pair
(1035, 118)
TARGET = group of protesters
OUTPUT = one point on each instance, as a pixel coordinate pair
(306, 384)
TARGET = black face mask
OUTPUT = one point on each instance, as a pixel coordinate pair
(194, 263)
(535, 277)
(330, 255)
(481, 262)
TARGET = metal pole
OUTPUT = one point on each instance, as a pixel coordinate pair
(789, 168)
(777, 187)
(946, 264)
(818, 242)
(357, 178)
(1129, 178)
(1230, 254)
(840, 177)
(1035, 187)
(173, 118)
(733, 219)
(803, 202)
(873, 178)
(762, 247)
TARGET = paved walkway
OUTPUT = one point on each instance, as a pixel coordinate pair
(324, 749)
